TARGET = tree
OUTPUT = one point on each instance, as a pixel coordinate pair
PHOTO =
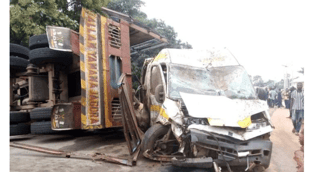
(301, 71)
(279, 85)
(269, 83)
(129, 7)
(132, 8)
(258, 81)
(30, 17)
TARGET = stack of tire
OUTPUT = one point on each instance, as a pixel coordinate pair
(40, 54)
(42, 116)
(19, 121)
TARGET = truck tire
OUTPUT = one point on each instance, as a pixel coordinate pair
(38, 41)
(18, 50)
(19, 129)
(18, 117)
(18, 64)
(41, 113)
(43, 127)
(151, 135)
(40, 56)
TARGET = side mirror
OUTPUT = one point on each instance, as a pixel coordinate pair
(160, 93)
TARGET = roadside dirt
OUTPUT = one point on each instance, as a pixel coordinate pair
(285, 143)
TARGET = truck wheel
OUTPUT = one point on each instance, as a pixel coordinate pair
(18, 50)
(19, 129)
(39, 56)
(38, 41)
(44, 127)
(152, 135)
(258, 169)
(18, 64)
(18, 117)
(41, 113)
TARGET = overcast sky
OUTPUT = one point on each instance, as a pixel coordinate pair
(262, 35)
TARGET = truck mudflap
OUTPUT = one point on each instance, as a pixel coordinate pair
(66, 116)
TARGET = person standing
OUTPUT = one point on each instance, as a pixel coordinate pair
(285, 97)
(266, 93)
(273, 95)
(279, 99)
(267, 96)
(297, 106)
(291, 89)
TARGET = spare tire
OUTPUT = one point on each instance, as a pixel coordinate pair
(40, 56)
(41, 113)
(38, 41)
(18, 117)
(18, 64)
(18, 50)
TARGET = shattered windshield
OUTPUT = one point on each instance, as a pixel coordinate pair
(230, 81)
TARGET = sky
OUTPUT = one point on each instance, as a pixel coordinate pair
(262, 35)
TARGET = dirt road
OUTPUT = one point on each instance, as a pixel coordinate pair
(285, 143)
(112, 143)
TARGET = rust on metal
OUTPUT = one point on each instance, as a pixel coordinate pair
(155, 157)
(66, 116)
(95, 156)
(132, 132)
(38, 149)
(75, 42)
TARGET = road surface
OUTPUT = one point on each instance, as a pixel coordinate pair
(113, 143)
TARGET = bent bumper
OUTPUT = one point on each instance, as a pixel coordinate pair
(236, 152)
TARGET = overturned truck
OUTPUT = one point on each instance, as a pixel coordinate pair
(200, 110)
(67, 80)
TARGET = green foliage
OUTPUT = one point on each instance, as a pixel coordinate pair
(279, 85)
(73, 8)
(136, 73)
(132, 8)
(302, 71)
(129, 7)
(30, 17)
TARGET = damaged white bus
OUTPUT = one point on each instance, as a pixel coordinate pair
(200, 110)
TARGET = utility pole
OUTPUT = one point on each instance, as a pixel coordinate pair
(286, 80)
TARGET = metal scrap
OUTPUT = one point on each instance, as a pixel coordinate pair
(95, 156)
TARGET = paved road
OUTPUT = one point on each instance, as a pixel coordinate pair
(112, 143)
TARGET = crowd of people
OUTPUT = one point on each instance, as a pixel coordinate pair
(293, 100)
